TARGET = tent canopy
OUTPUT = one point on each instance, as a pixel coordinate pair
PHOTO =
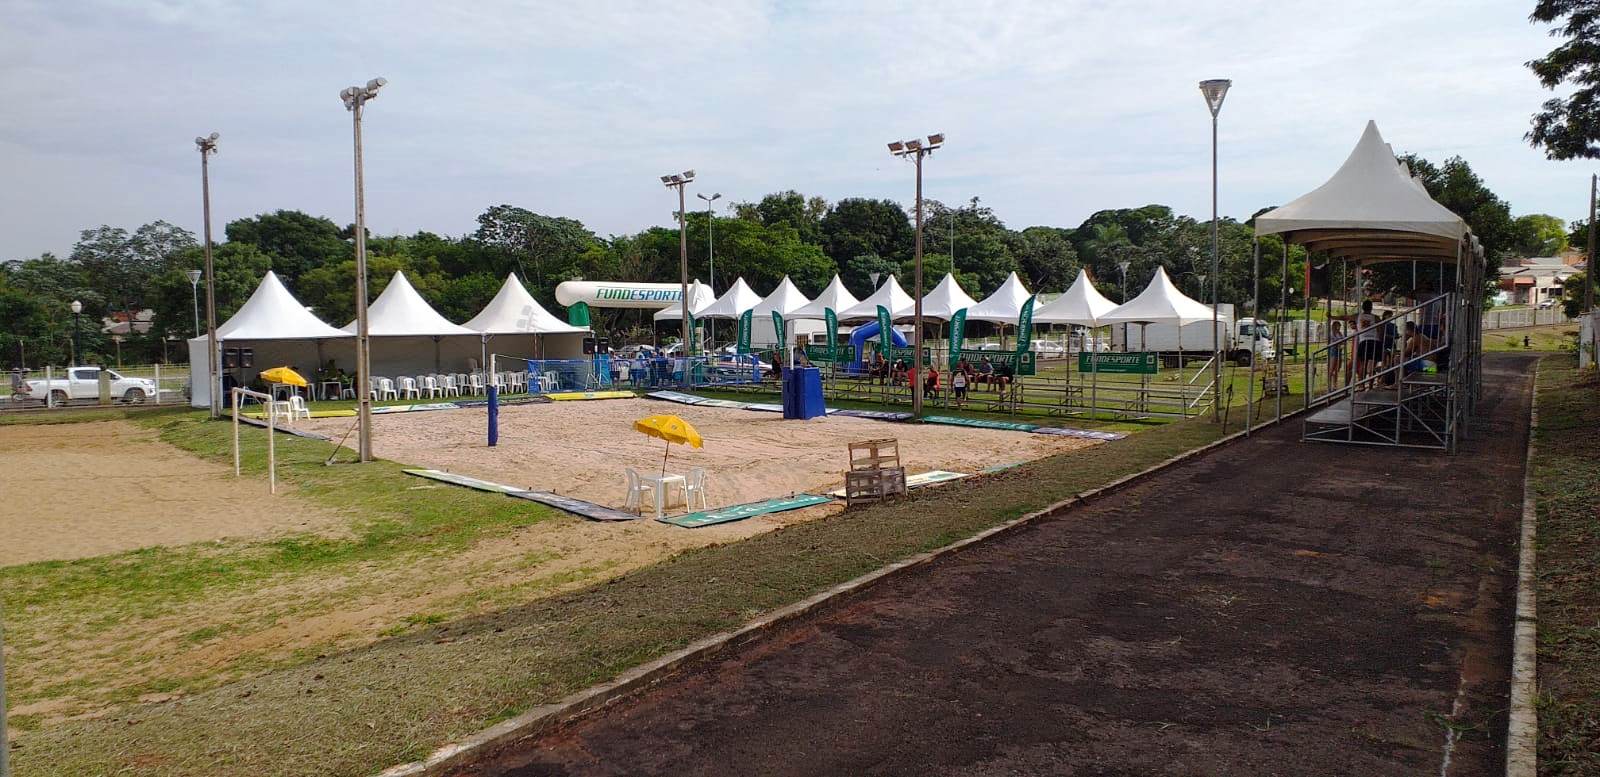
(272, 313)
(889, 295)
(734, 302)
(514, 311)
(785, 300)
(1159, 303)
(835, 297)
(401, 312)
(1004, 306)
(700, 295)
(945, 299)
(1082, 305)
(1370, 210)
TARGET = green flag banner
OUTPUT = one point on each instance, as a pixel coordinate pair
(958, 334)
(746, 323)
(1025, 326)
(832, 320)
(578, 314)
(777, 329)
(885, 330)
(689, 348)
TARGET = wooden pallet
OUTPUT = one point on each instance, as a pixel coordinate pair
(873, 485)
(875, 454)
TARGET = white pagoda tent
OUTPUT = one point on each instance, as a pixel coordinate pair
(517, 324)
(1004, 306)
(785, 300)
(409, 337)
(835, 297)
(889, 295)
(1081, 305)
(271, 329)
(700, 295)
(1162, 303)
(945, 299)
(733, 303)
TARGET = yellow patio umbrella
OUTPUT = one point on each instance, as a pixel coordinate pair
(672, 429)
(283, 376)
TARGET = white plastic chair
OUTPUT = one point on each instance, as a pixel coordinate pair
(636, 490)
(475, 383)
(408, 388)
(281, 410)
(450, 389)
(694, 487)
(548, 382)
(386, 389)
(298, 408)
(430, 387)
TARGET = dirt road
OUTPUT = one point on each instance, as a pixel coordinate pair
(1276, 608)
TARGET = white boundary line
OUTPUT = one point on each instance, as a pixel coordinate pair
(1522, 730)
(633, 681)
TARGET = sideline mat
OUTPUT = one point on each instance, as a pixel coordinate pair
(463, 480)
(676, 396)
(568, 396)
(419, 408)
(578, 507)
(1084, 433)
(931, 478)
(881, 415)
(979, 423)
(741, 512)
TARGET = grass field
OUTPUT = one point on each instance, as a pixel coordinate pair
(1567, 485)
(1561, 337)
(171, 661)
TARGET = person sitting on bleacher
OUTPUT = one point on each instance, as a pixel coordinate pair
(877, 368)
(986, 371)
(930, 384)
(1416, 344)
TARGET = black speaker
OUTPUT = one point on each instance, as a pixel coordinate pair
(588, 345)
(602, 345)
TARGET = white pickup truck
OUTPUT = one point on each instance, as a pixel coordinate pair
(84, 383)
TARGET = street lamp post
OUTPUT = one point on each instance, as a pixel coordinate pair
(194, 285)
(915, 150)
(711, 260)
(208, 146)
(1215, 90)
(678, 181)
(1123, 266)
(355, 98)
(77, 332)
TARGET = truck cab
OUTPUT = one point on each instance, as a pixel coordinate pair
(1253, 341)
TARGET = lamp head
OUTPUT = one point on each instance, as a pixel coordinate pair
(896, 147)
(375, 84)
(688, 175)
(1215, 90)
(913, 145)
(215, 136)
(194, 276)
(77, 307)
(666, 179)
(936, 138)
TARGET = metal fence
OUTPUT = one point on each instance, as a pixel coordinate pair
(1508, 319)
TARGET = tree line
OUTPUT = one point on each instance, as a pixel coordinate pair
(112, 270)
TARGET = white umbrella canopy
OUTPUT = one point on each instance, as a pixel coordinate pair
(401, 311)
(699, 297)
(1159, 303)
(514, 311)
(733, 303)
(1004, 306)
(889, 295)
(1082, 305)
(785, 300)
(945, 299)
(835, 297)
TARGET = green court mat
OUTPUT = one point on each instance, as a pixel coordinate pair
(978, 423)
(741, 512)
(463, 480)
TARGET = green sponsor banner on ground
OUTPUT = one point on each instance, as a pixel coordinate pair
(746, 323)
(1023, 364)
(1025, 326)
(1143, 363)
(958, 334)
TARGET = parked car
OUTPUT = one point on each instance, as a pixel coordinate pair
(1547, 304)
(1049, 349)
(84, 383)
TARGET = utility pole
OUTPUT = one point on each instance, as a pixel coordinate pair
(678, 181)
(915, 150)
(208, 146)
(355, 98)
(711, 260)
(1589, 267)
(1215, 90)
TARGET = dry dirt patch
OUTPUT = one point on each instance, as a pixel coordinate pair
(78, 490)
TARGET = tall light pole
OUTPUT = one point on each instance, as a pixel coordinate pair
(1123, 266)
(1589, 266)
(208, 146)
(915, 150)
(711, 254)
(355, 98)
(77, 332)
(678, 181)
(1214, 90)
(194, 285)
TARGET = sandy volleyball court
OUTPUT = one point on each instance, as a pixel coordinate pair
(76, 490)
(581, 448)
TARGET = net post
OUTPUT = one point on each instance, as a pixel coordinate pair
(494, 403)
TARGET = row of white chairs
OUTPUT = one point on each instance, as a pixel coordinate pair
(441, 385)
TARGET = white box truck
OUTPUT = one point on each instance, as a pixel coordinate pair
(1241, 341)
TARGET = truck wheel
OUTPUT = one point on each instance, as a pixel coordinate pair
(58, 397)
(133, 396)
(1242, 358)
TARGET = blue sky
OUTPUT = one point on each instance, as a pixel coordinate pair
(1053, 109)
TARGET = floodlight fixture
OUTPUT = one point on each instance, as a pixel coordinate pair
(688, 175)
(913, 145)
(936, 138)
(1215, 90)
(377, 83)
(666, 179)
(896, 147)
(194, 276)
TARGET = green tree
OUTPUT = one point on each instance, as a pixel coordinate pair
(1569, 127)
(857, 273)
(788, 208)
(1045, 257)
(1538, 234)
(1572, 294)
(239, 267)
(543, 250)
(857, 226)
(294, 241)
